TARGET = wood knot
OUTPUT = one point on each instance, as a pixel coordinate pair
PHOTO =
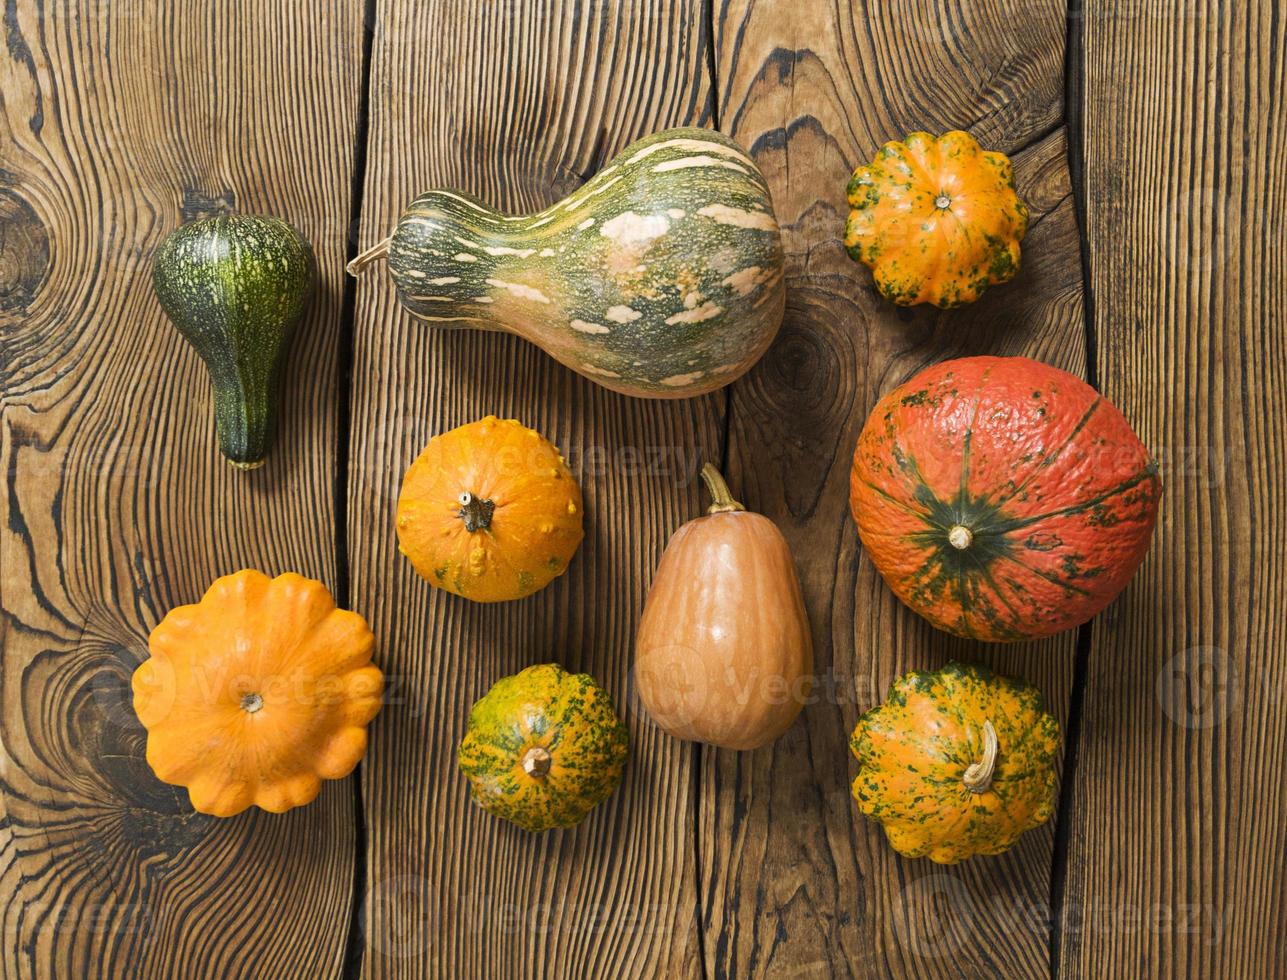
(197, 204)
(24, 252)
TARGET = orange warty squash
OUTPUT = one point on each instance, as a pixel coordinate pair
(724, 654)
(936, 220)
(490, 511)
(257, 693)
(1001, 498)
(956, 762)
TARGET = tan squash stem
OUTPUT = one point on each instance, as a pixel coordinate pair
(536, 761)
(960, 537)
(379, 250)
(476, 512)
(978, 777)
(722, 501)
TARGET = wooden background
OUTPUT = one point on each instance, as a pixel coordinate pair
(1148, 139)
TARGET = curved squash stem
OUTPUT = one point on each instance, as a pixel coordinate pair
(722, 499)
(978, 777)
(379, 250)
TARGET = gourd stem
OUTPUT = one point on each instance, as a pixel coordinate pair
(722, 501)
(476, 512)
(960, 537)
(536, 761)
(978, 777)
(377, 251)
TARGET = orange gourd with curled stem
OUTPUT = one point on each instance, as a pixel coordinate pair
(724, 655)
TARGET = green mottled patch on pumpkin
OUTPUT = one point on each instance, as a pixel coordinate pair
(568, 715)
(931, 726)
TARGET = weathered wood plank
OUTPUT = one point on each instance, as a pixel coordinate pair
(1176, 860)
(517, 103)
(118, 122)
(793, 881)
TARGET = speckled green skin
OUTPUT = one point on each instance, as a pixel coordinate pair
(914, 749)
(661, 277)
(236, 287)
(571, 717)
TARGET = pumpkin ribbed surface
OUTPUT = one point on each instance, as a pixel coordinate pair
(1001, 498)
(257, 693)
(490, 511)
(543, 748)
(937, 220)
(927, 774)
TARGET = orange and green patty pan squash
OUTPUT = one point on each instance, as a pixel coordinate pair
(543, 748)
(1002, 499)
(956, 762)
(255, 694)
(490, 511)
(937, 220)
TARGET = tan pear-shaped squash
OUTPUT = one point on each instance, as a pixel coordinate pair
(724, 655)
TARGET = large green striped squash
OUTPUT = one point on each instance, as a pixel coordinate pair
(661, 277)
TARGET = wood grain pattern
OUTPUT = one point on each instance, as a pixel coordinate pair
(793, 881)
(118, 122)
(518, 103)
(1176, 864)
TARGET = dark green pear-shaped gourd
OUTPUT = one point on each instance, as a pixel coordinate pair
(235, 286)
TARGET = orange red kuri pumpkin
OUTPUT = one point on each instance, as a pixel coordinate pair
(490, 511)
(1001, 498)
(257, 693)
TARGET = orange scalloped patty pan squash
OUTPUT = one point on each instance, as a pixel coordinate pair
(255, 694)
(490, 511)
(936, 220)
(1001, 498)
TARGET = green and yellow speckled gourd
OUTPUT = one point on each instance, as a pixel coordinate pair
(544, 748)
(236, 286)
(956, 762)
(936, 219)
(661, 277)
